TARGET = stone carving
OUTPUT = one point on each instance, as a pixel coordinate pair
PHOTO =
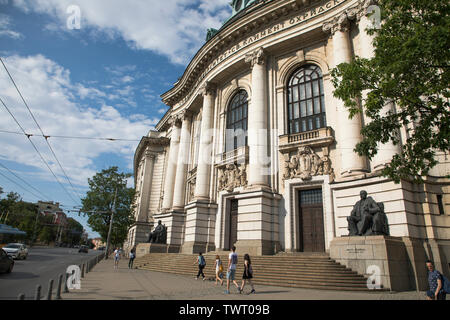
(306, 164)
(232, 176)
(159, 235)
(367, 218)
(192, 189)
(255, 57)
(338, 23)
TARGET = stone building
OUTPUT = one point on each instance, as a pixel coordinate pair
(256, 152)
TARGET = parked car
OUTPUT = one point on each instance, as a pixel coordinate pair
(16, 250)
(101, 248)
(6, 262)
(84, 249)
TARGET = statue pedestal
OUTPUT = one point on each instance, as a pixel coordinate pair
(145, 248)
(383, 259)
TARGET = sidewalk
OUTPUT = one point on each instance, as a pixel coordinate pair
(105, 283)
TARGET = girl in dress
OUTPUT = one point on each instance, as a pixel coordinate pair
(248, 274)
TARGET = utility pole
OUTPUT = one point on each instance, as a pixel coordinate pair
(108, 241)
(34, 229)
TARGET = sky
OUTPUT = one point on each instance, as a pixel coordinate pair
(93, 69)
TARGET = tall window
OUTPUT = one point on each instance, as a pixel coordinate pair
(236, 134)
(306, 104)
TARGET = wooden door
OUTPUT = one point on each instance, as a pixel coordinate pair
(233, 223)
(312, 237)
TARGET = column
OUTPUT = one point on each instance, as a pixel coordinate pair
(171, 166)
(387, 150)
(205, 150)
(146, 185)
(349, 130)
(179, 190)
(257, 122)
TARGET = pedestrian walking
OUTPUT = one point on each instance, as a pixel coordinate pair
(201, 265)
(248, 274)
(132, 256)
(116, 258)
(435, 282)
(231, 270)
(219, 270)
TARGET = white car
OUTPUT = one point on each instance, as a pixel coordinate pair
(16, 250)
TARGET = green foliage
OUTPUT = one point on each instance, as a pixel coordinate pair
(99, 202)
(22, 215)
(411, 69)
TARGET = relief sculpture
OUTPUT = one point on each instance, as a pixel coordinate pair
(231, 176)
(306, 163)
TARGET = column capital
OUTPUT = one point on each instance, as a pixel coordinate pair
(150, 154)
(256, 57)
(338, 23)
(178, 118)
(208, 88)
(360, 10)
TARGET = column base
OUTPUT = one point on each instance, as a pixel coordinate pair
(200, 227)
(257, 247)
(196, 247)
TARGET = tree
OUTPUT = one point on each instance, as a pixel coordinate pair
(411, 69)
(106, 186)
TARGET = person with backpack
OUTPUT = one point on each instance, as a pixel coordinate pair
(232, 262)
(132, 256)
(248, 274)
(436, 282)
(219, 270)
(201, 265)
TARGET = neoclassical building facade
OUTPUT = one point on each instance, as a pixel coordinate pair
(256, 152)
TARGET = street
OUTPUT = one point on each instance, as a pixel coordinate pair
(41, 265)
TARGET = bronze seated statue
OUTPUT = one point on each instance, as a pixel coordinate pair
(159, 235)
(367, 218)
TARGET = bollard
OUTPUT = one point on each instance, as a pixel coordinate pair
(87, 266)
(66, 288)
(21, 296)
(58, 290)
(37, 295)
(82, 270)
(50, 289)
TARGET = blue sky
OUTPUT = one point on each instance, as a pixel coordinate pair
(101, 80)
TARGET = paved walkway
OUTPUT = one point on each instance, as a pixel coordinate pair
(106, 283)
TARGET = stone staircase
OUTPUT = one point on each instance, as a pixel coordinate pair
(314, 271)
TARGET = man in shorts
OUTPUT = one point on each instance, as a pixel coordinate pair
(232, 262)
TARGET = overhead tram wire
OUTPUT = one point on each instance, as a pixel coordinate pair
(36, 149)
(40, 129)
(28, 184)
(22, 187)
(70, 137)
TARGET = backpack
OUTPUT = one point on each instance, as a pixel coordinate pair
(445, 284)
(202, 261)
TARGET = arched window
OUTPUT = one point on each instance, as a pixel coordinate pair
(236, 133)
(306, 104)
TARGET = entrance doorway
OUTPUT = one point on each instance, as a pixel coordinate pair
(233, 222)
(312, 236)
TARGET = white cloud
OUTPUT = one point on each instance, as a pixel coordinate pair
(174, 28)
(5, 28)
(52, 97)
